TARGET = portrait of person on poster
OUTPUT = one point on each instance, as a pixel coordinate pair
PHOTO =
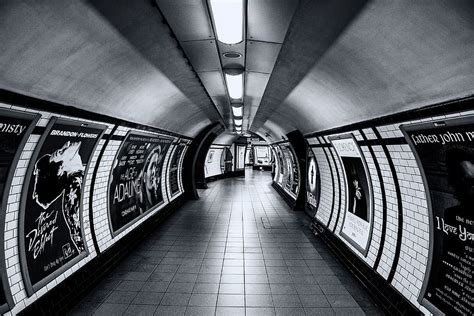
(59, 175)
(136, 183)
(51, 226)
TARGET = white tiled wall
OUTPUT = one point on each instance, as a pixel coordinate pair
(411, 267)
(100, 217)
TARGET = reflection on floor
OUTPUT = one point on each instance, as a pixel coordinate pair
(239, 250)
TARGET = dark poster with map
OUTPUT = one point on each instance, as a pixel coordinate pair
(445, 154)
(135, 185)
(292, 174)
(51, 227)
(14, 130)
(174, 168)
(313, 183)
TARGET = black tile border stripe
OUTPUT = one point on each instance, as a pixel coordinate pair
(384, 204)
(400, 208)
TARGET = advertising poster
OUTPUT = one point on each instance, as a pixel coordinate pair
(136, 182)
(357, 225)
(240, 157)
(226, 160)
(174, 168)
(313, 183)
(291, 174)
(14, 130)
(281, 165)
(445, 155)
(262, 155)
(51, 227)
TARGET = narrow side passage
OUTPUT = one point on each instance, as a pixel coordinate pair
(239, 250)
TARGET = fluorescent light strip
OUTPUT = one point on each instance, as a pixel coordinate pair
(228, 16)
(238, 111)
(235, 86)
(238, 122)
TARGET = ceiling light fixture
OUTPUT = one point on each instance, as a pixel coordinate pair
(237, 110)
(228, 16)
(238, 122)
(235, 86)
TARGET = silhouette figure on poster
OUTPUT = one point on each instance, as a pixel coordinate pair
(60, 175)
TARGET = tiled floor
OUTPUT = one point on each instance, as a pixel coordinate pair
(239, 250)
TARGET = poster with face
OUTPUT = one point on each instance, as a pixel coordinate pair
(291, 171)
(15, 127)
(51, 228)
(281, 165)
(357, 224)
(135, 185)
(240, 157)
(313, 183)
(445, 155)
(174, 168)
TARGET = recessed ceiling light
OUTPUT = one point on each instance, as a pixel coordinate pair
(237, 110)
(235, 85)
(228, 16)
(232, 55)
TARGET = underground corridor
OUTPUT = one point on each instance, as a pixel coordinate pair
(236, 157)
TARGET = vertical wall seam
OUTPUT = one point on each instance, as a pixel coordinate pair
(384, 203)
(399, 204)
(92, 187)
(333, 185)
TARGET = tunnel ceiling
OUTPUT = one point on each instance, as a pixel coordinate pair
(117, 58)
(309, 65)
(344, 62)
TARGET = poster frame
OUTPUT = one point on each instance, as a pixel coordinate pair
(406, 128)
(364, 251)
(313, 209)
(29, 287)
(9, 303)
(116, 233)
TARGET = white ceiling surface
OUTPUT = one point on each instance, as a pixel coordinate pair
(108, 57)
(395, 56)
(267, 23)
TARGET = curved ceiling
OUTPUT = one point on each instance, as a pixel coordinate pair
(116, 58)
(340, 65)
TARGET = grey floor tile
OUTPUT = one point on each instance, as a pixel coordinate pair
(178, 287)
(107, 309)
(206, 288)
(260, 311)
(231, 288)
(200, 311)
(341, 301)
(289, 311)
(203, 300)
(255, 288)
(140, 310)
(121, 297)
(316, 300)
(170, 310)
(319, 311)
(286, 300)
(176, 299)
(148, 298)
(252, 300)
(231, 300)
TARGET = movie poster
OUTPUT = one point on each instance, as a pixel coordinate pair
(445, 155)
(313, 183)
(51, 227)
(357, 224)
(136, 184)
(280, 164)
(14, 130)
(291, 172)
(174, 168)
